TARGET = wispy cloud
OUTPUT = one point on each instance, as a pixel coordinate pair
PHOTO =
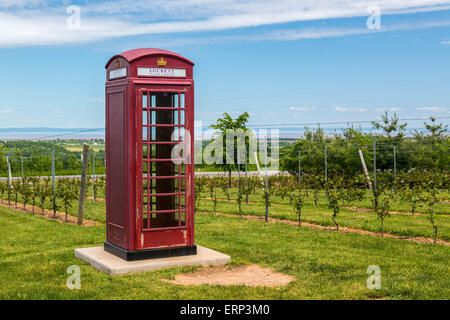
(98, 100)
(394, 109)
(304, 109)
(349, 109)
(434, 109)
(39, 22)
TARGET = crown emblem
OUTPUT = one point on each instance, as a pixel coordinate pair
(117, 63)
(161, 62)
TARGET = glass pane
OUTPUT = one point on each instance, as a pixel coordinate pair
(183, 201)
(144, 100)
(144, 152)
(144, 168)
(153, 117)
(179, 170)
(144, 117)
(144, 133)
(175, 100)
(182, 100)
(182, 116)
(157, 187)
(181, 184)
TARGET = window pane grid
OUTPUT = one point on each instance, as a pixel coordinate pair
(163, 193)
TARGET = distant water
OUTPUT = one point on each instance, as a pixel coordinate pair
(296, 132)
(86, 133)
(50, 133)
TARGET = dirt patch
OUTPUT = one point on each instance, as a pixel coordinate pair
(48, 214)
(96, 199)
(341, 229)
(444, 201)
(251, 276)
(354, 208)
(243, 201)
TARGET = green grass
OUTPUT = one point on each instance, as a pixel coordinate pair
(93, 210)
(403, 225)
(402, 206)
(412, 226)
(36, 252)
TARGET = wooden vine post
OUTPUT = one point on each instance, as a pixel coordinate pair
(83, 183)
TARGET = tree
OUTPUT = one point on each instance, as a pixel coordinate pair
(390, 126)
(223, 125)
(240, 195)
(198, 185)
(334, 201)
(67, 191)
(3, 188)
(100, 185)
(383, 212)
(35, 186)
(317, 184)
(298, 204)
(433, 186)
(44, 191)
(213, 192)
(355, 189)
(26, 191)
(413, 195)
(436, 132)
(17, 189)
(267, 192)
(225, 186)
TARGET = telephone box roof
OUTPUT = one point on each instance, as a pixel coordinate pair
(134, 54)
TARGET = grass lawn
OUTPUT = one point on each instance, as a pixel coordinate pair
(412, 226)
(93, 210)
(403, 225)
(36, 252)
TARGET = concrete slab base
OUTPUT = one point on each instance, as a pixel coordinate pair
(112, 265)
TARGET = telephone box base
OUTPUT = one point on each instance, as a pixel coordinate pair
(113, 265)
(149, 253)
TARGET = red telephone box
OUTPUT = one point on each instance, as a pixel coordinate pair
(149, 167)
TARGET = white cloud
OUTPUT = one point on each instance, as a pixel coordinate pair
(99, 100)
(434, 109)
(304, 109)
(350, 109)
(389, 109)
(6, 110)
(446, 42)
(41, 22)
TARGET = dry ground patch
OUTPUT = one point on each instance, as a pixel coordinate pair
(251, 276)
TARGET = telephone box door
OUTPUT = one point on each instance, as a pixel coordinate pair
(164, 172)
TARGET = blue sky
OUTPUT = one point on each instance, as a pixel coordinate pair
(282, 61)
